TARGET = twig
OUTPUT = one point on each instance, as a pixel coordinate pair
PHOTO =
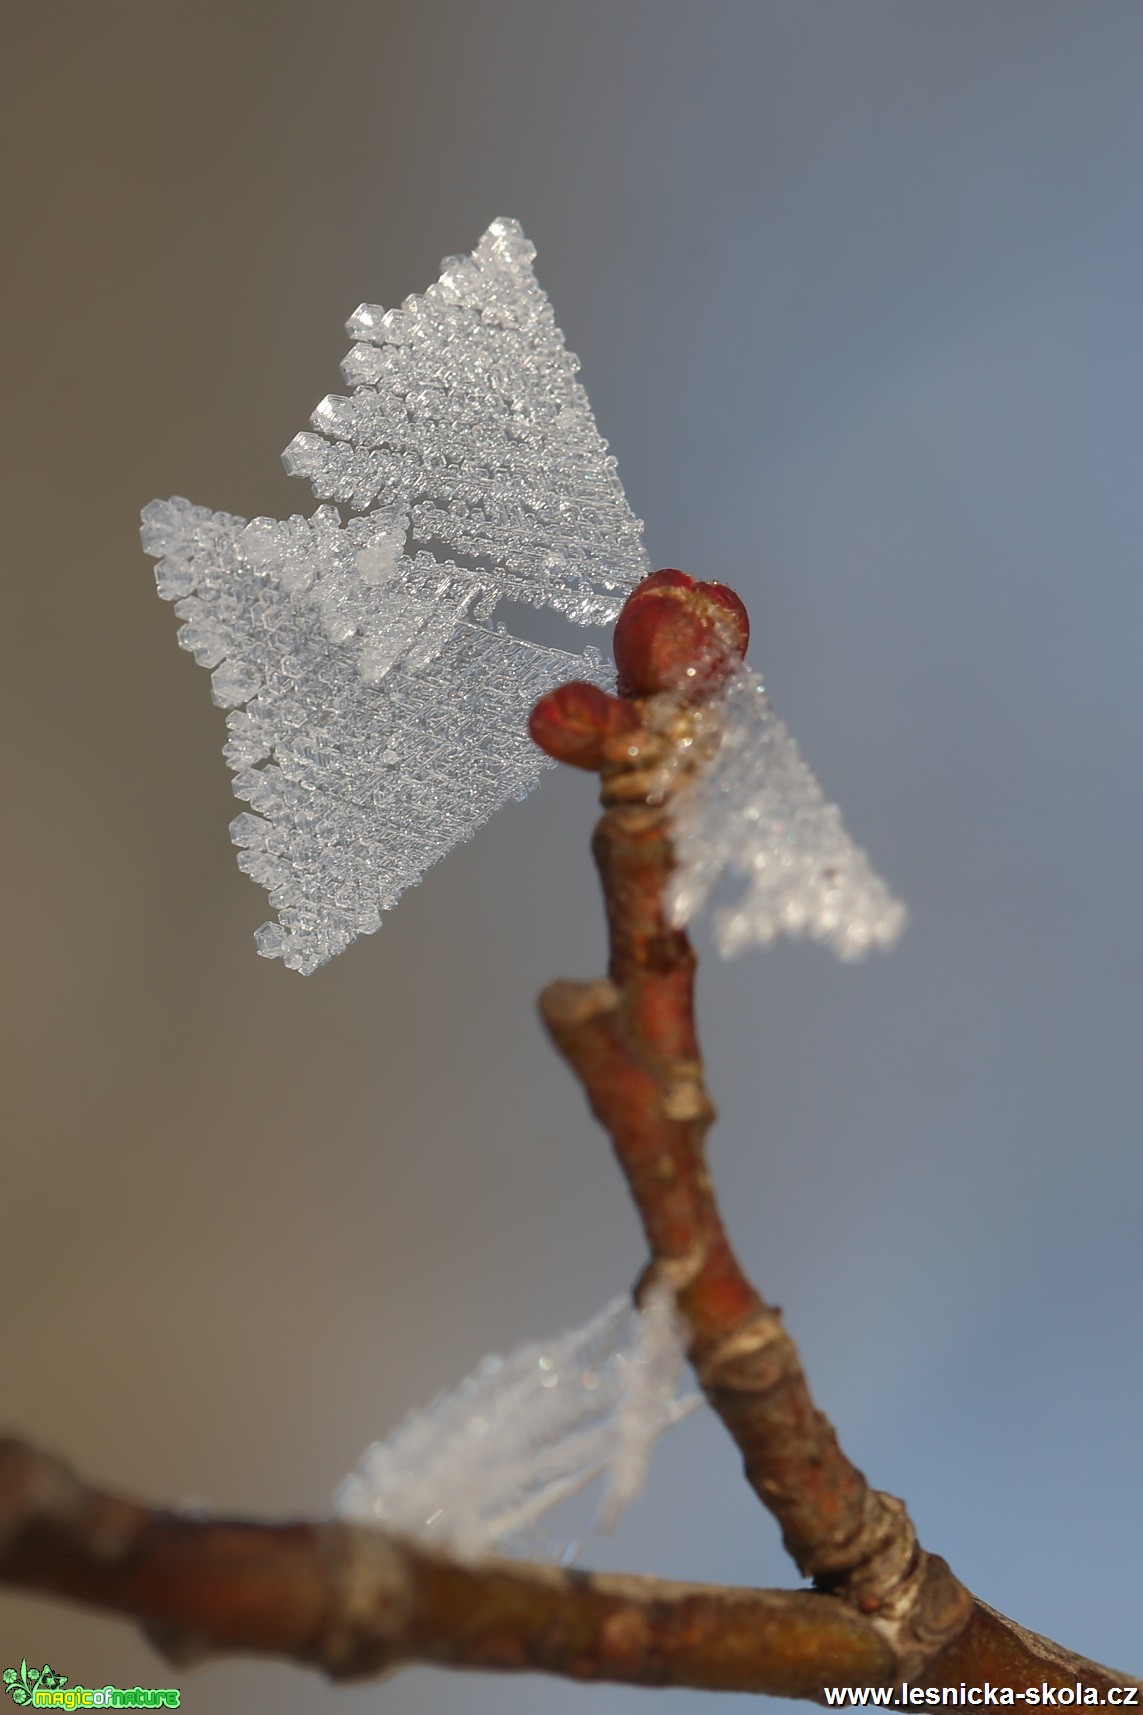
(631, 1040)
(356, 1601)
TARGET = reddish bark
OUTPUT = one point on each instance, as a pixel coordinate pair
(355, 1601)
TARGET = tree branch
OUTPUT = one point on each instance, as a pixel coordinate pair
(355, 1601)
(632, 1042)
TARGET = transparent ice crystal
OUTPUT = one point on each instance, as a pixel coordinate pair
(467, 425)
(476, 1470)
(378, 712)
(755, 811)
(355, 787)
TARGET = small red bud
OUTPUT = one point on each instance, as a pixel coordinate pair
(573, 722)
(677, 634)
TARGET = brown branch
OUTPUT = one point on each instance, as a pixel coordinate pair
(355, 1601)
(632, 1042)
(998, 1650)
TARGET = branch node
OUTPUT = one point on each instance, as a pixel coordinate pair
(370, 1601)
(571, 1006)
(677, 1272)
(686, 1100)
(733, 1365)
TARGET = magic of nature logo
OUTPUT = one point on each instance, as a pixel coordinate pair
(45, 1688)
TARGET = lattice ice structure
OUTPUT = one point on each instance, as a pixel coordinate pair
(755, 811)
(467, 423)
(385, 713)
(356, 787)
(379, 714)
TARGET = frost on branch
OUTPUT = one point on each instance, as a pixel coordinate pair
(755, 811)
(385, 712)
(354, 788)
(477, 1469)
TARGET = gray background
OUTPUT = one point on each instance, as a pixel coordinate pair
(858, 289)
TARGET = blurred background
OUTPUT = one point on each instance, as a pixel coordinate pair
(858, 292)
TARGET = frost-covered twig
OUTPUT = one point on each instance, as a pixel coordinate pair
(631, 1040)
(376, 695)
(357, 1600)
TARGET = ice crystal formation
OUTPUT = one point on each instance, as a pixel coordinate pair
(755, 811)
(379, 713)
(476, 1470)
(377, 709)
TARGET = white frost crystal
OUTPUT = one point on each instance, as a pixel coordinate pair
(467, 420)
(476, 1470)
(356, 787)
(755, 811)
(379, 714)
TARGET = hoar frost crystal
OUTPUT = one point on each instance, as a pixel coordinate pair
(379, 715)
(477, 1470)
(377, 710)
(756, 813)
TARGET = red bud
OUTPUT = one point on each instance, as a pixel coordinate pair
(572, 722)
(677, 634)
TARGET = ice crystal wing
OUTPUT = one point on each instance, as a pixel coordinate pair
(477, 1469)
(354, 787)
(756, 812)
(466, 421)
(380, 716)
